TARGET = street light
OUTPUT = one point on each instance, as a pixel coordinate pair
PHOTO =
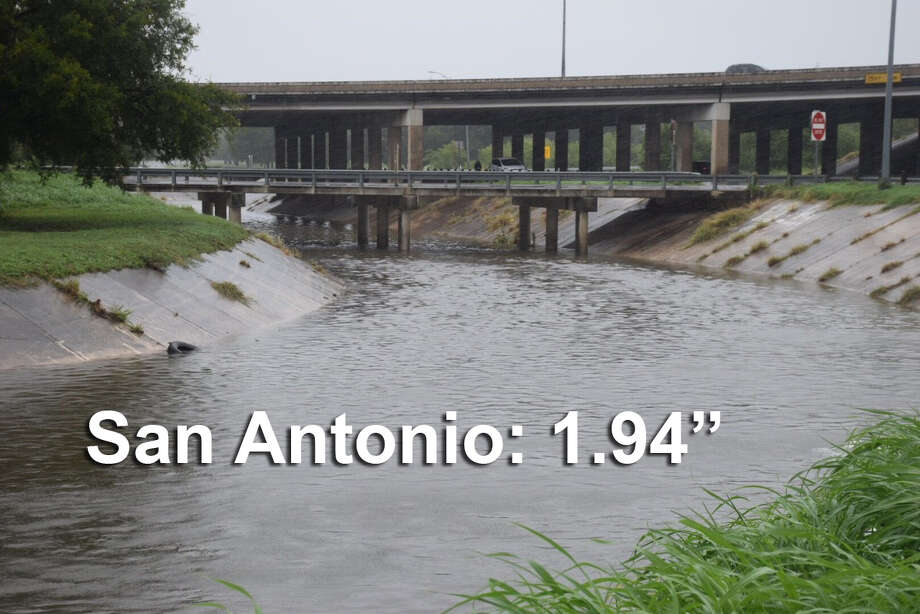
(886, 141)
(467, 127)
(563, 39)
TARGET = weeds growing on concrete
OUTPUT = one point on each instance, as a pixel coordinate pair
(275, 242)
(245, 264)
(759, 247)
(829, 274)
(718, 224)
(890, 266)
(910, 295)
(843, 536)
(734, 261)
(230, 291)
(891, 245)
(135, 328)
(795, 251)
(883, 290)
(847, 193)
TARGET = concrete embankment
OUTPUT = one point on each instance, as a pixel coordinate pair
(43, 325)
(871, 249)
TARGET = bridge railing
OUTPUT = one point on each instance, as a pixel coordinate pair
(459, 180)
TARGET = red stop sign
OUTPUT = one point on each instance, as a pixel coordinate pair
(818, 126)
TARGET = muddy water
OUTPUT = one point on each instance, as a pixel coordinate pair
(500, 338)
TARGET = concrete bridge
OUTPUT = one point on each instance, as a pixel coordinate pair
(364, 125)
(222, 192)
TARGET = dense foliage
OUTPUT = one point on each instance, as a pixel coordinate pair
(100, 84)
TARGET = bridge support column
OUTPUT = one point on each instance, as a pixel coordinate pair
(374, 148)
(561, 142)
(652, 146)
(539, 150)
(356, 147)
(408, 203)
(383, 226)
(498, 145)
(415, 139)
(363, 225)
(794, 150)
(870, 144)
(221, 201)
(734, 149)
(684, 138)
(552, 230)
(517, 145)
(719, 153)
(292, 150)
(624, 146)
(237, 202)
(763, 151)
(524, 227)
(207, 203)
(829, 149)
(581, 228)
(590, 147)
(394, 148)
(338, 148)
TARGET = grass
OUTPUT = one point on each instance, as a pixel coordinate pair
(829, 274)
(59, 228)
(843, 536)
(230, 291)
(883, 290)
(910, 295)
(890, 266)
(795, 251)
(719, 223)
(846, 193)
(275, 242)
(759, 247)
(891, 245)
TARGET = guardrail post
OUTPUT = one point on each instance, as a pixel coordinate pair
(267, 180)
(610, 183)
(664, 183)
(220, 178)
(313, 180)
(715, 182)
(558, 183)
(361, 179)
(172, 178)
(508, 183)
(459, 180)
(140, 177)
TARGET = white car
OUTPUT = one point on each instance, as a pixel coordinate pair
(507, 165)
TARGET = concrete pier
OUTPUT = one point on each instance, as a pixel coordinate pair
(394, 148)
(319, 150)
(338, 148)
(415, 139)
(356, 147)
(237, 202)
(719, 153)
(562, 149)
(684, 144)
(524, 227)
(517, 145)
(383, 226)
(734, 149)
(624, 145)
(581, 228)
(207, 205)
(871, 130)
(409, 203)
(829, 149)
(552, 230)
(590, 146)
(794, 149)
(374, 148)
(362, 228)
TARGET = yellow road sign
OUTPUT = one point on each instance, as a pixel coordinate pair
(547, 152)
(881, 77)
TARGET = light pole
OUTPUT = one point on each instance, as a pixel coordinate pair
(563, 39)
(886, 141)
(467, 127)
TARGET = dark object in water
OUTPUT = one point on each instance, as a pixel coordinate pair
(180, 347)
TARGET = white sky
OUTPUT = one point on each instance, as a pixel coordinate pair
(334, 40)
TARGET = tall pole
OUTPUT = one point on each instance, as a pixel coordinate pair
(886, 142)
(563, 39)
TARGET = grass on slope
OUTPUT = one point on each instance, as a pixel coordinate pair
(847, 193)
(842, 537)
(58, 228)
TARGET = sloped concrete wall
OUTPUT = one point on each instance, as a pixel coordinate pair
(41, 325)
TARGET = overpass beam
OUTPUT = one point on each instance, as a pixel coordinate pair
(624, 146)
(524, 227)
(408, 203)
(374, 148)
(363, 226)
(829, 148)
(870, 143)
(684, 140)
(561, 142)
(590, 147)
(794, 149)
(552, 230)
(517, 145)
(383, 226)
(539, 149)
(652, 145)
(763, 151)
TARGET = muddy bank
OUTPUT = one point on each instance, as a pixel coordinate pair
(43, 325)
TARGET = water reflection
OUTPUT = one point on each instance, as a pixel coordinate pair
(502, 339)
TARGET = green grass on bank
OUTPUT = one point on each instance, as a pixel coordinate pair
(57, 228)
(847, 193)
(842, 537)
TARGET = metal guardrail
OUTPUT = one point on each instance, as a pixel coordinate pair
(458, 180)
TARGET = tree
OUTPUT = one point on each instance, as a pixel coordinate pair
(99, 84)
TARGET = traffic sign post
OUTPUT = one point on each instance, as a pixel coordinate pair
(818, 133)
